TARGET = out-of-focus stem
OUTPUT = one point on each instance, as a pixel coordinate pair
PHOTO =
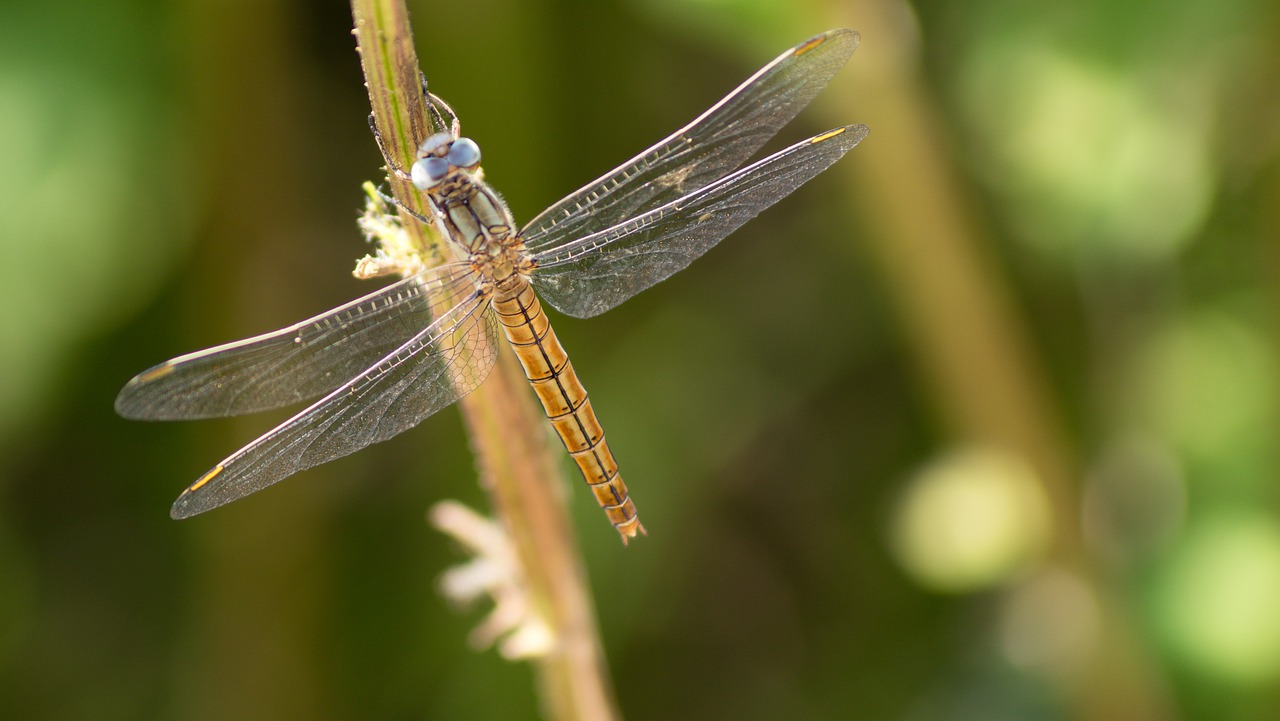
(519, 469)
(972, 345)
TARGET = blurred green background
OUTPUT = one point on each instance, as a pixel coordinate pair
(1007, 450)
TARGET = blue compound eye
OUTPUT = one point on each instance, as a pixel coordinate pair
(433, 144)
(464, 153)
(428, 172)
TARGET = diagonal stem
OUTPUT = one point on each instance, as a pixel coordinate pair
(519, 469)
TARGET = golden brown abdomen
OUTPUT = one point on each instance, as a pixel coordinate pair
(565, 401)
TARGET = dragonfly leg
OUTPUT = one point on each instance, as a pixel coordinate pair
(441, 114)
(394, 202)
(397, 172)
(382, 148)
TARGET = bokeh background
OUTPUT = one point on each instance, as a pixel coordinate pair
(981, 424)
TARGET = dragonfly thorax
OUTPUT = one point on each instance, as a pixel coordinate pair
(502, 265)
(472, 215)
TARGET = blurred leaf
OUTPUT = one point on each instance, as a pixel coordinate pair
(1096, 122)
(1208, 383)
(89, 217)
(1215, 604)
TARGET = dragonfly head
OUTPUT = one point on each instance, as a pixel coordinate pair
(440, 155)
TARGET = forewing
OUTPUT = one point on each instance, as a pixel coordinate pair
(436, 367)
(714, 144)
(297, 363)
(590, 275)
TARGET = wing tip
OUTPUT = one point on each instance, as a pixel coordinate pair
(129, 401)
(184, 506)
(155, 373)
(852, 37)
(127, 404)
(856, 132)
(827, 135)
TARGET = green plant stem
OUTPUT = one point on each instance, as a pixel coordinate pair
(519, 469)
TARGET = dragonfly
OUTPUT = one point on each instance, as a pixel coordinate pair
(381, 364)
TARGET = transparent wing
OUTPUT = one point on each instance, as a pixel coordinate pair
(590, 275)
(714, 144)
(297, 363)
(439, 365)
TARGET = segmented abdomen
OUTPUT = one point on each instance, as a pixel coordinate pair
(565, 401)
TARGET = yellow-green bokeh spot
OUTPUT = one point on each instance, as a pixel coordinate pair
(971, 520)
(1092, 158)
(1208, 385)
(1216, 604)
